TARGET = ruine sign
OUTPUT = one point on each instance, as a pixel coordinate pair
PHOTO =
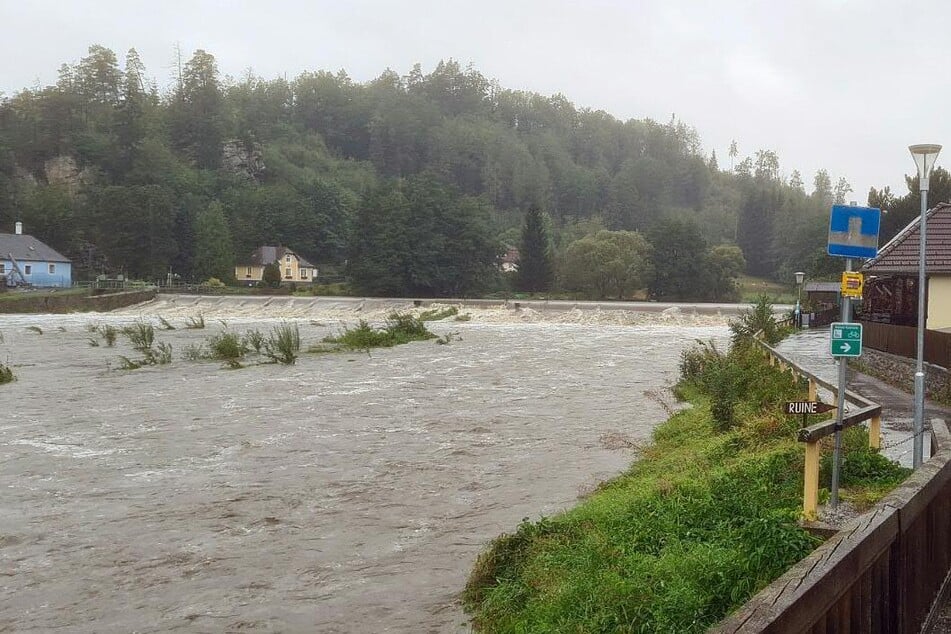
(807, 407)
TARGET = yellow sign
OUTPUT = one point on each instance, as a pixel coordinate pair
(852, 285)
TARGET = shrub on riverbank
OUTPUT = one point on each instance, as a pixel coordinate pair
(6, 374)
(704, 519)
(758, 318)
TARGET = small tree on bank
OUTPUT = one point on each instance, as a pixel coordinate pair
(536, 269)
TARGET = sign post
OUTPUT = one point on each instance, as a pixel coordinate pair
(806, 408)
(853, 233)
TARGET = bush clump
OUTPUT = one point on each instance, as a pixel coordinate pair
(142, 337)
(140, 334)
(283, 344)
(759, 318)
(436, 314)
(6, 374)
(399, 328)
(227, 346)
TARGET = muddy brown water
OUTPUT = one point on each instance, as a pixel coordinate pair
(346, 493)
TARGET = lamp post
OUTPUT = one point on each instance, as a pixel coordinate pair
(925, 156)
(800, 276)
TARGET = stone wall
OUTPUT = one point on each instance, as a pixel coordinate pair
(900, 372)
(70, 303)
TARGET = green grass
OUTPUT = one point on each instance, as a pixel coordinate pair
(752, 287)
(13, 296)
(703, 520)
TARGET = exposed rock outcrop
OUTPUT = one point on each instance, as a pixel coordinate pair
(63, 170)
(238, 158)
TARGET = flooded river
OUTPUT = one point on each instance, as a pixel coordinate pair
(346, 493)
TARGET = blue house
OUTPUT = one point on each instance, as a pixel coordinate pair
(39, 264)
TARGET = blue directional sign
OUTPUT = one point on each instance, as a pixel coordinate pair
(853, 231)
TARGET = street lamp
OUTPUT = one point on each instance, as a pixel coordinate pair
(925, 156)
(800, 276)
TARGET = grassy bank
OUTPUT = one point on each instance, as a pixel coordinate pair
(703, 520)
(32, 295)
(69, 300)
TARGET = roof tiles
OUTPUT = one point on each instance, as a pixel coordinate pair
(900, 255)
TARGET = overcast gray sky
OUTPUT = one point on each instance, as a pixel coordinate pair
(845, 85)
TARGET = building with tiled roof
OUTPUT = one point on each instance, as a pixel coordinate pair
(294, 268)
(892, 289)
(24, 260)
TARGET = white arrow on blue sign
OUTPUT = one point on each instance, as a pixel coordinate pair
(853, 231)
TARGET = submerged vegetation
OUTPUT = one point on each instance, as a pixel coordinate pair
(6, 374)
(283, 344)
(195, 323)
(142, 337)
(436, 314)
(280, 346)
(399, 328)
(704, 519)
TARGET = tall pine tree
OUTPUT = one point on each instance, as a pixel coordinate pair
(535, 266)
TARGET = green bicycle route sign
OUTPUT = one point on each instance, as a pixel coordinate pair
(846, 340)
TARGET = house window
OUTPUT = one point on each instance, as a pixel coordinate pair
(303, 274)
(28, 269)
(248, 272)
(3, 267)
(52, 269)
(287, 258)
(287, 273)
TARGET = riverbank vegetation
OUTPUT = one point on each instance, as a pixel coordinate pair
(705, 518)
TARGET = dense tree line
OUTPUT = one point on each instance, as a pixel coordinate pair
(406, 184)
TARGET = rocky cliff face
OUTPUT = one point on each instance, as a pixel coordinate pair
(239, 159)
(62, 170)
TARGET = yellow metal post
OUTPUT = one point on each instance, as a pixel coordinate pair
(813, 389)
(875, 432)
(810, 493)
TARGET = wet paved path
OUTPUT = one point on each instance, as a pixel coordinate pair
(810, 349)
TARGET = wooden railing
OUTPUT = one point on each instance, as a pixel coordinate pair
(881, 573)
(813, 434)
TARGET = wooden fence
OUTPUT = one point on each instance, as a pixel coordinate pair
(880, 574)
(902, 341)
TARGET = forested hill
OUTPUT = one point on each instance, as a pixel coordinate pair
(409, 183)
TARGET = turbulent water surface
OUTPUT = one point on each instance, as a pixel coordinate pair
(346, 493)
